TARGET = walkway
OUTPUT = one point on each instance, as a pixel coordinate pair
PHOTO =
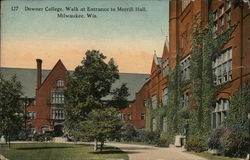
(143, 152)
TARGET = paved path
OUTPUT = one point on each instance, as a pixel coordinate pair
(143, 152)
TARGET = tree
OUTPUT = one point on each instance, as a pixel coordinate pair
(120, 97)
(90, 82)
(239, 108)
(101, 124)
(11, 108)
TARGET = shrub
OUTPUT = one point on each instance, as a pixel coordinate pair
(214, 139)
(153, 137)
(196, 144)
(43, 137)
(128, 132)
(163, 142)
(235, 142)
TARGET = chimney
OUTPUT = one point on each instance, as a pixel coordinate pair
(39, 72)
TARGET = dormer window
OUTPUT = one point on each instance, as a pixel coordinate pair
(165, 67)
(59, 83)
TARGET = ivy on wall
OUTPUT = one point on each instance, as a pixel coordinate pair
(205, 48)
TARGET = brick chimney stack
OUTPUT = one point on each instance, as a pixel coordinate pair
(39, 72)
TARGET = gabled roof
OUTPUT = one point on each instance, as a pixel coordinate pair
(58, 63)
(157, 60)
(156, 64)
(165, 50)
(28, 80)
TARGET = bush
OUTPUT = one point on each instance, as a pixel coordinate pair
(128, 132)
(196, 144)
(153, 137)
(214, 139)
(163, 142)
(235, 142)
(232, 142)
(42, 137)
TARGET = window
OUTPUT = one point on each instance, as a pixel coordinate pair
(221, 11)
(215, 29)
(142, 116)
(32, 115)
(215, 25)
(215, 15)
(228, 18)
(222, 67)
(165, 96)
(154, 101)
(129, 116)
(185, 3)
(220, 112)
(222, 23)
(145, 102)
(164, 124)
(59, 83)
(184, 100)
(185, 69)
(57, 97)
(124, 116)
(153, 124)
(165, 67)
(57, 113)
(228, 4)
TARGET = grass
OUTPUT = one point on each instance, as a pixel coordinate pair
(57, 151)
(210, 156)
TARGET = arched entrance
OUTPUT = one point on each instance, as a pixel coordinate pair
(58, 130)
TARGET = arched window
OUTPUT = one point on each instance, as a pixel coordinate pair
(220, 112)
(59, 83)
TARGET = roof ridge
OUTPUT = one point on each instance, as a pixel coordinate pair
(67, 70)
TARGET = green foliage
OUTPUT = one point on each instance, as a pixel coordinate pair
(11, 107)
(43, 137)
(58, 151)
(120, 97)
(214, 139)
(205, 48)
(153, 137)
(89, 83)
(196, 144)
(235, 142)
(128, 132)
(239, 108)
(163, 142)
(101, 124)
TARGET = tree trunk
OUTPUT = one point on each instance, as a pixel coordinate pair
(9, 140)
(95, 145)
(5, 139)
(102, 143)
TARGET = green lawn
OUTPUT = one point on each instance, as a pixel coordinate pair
(210, 156)
(56, 151)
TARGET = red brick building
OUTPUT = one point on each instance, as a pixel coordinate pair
(44, 88)
(232, 66)
(47, 113)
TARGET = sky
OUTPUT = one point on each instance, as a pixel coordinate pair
(129, 37)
